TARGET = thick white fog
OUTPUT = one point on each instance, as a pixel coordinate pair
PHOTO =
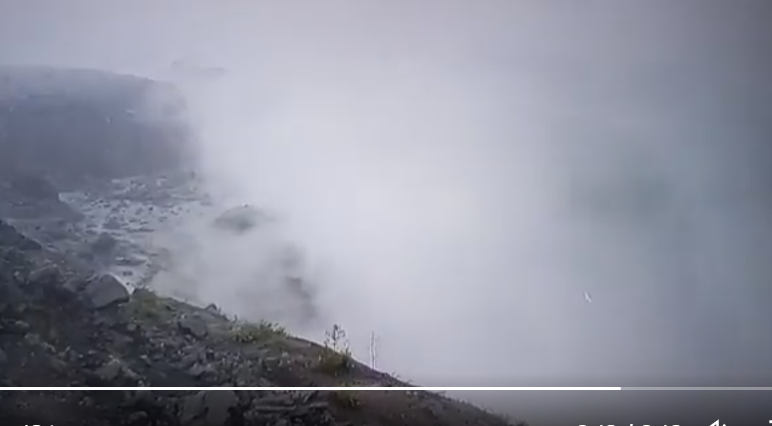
(503, 192)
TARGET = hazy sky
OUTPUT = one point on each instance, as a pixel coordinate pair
(463, 173)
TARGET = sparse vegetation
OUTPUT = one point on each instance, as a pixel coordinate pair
(248, 333)
(336, 356)
(146, 306)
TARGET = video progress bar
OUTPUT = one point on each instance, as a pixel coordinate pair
(701, 388)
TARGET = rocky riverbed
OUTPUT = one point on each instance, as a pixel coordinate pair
(158, 231)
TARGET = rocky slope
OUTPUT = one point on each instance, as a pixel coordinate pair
(63, 327)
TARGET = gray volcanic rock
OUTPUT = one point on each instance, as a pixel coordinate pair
(240, 219)
(106, 290)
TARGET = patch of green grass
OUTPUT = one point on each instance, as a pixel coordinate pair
(145, 305)
(248, 333)
(334, 363)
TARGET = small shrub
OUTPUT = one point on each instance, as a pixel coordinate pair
(336, 340)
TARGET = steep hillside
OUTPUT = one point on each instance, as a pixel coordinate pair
(60, 327)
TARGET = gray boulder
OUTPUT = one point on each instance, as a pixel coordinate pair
(240, 219)
(106, 290)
